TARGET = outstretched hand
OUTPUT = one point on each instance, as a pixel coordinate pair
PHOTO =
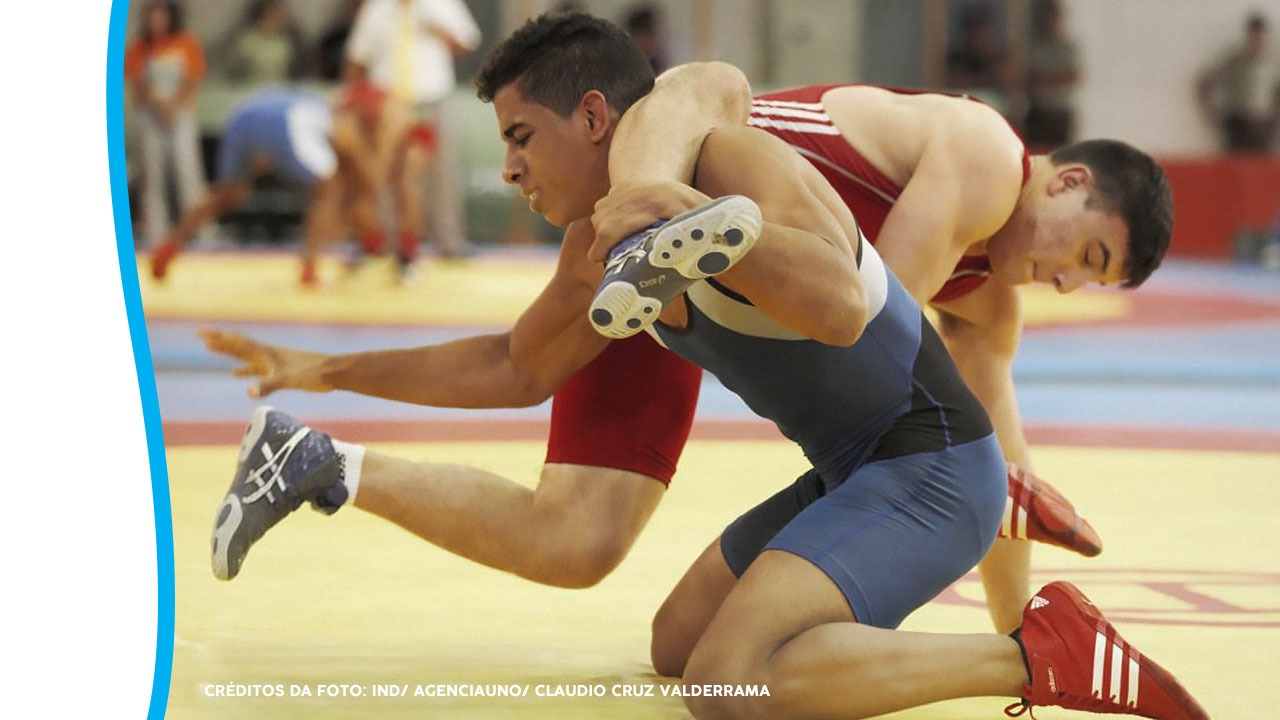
(276, 367)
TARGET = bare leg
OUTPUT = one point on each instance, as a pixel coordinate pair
(324, 214)
(802, 271)
(406, 188)
(553, 534)
(213, 205)
(787, 626)
(688, 610)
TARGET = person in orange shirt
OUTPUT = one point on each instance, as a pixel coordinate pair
(164, 66)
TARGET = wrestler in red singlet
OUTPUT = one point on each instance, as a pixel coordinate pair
(633, 406)
(798, 118)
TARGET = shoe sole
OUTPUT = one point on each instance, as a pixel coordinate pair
(231, 512)
(620, 311)
(707, 240)
(694, 245)
(230, 515)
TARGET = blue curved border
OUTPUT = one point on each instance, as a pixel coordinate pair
(163, 673)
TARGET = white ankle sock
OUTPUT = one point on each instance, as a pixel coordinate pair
(353, 463)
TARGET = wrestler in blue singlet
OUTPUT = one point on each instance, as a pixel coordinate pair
(286, 129)
(908, 483)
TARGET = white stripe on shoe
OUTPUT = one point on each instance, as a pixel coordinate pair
(270, 475)
(1133, 679)
(1099, 660)
(1112, 686)
(1014, 524)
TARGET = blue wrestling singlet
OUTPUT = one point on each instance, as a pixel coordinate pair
(908, 483)
(287, 129)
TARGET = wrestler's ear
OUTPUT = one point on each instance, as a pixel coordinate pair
(1070, 177)
(596, 115)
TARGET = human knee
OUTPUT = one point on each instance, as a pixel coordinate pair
(842, 321)
(415, 162)
(584, 564)
(713, 691)
(567, 535)
(576, 554)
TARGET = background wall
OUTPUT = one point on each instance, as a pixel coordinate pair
(1141, 58)
(1140, 61)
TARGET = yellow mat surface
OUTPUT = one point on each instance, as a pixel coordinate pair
(350, 603)
(488, 290)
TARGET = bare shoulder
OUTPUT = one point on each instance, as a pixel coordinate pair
(895, 131)
(726, 144)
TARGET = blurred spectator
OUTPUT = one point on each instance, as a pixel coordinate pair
(300, 137)
(408, 47)
(977, 62)
(164, 66)
(1240, 92)
(267, 47)
(1053, 74)
(331, 49)
(644, 24)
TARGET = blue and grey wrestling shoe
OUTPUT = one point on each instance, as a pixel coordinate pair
(647, 270)
(282, 465)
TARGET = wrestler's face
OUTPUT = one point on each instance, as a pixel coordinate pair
(1068, 241)
(559, 163)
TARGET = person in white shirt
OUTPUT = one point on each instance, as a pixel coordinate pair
(407, 47)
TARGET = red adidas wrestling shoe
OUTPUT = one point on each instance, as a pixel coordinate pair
(1078, 661)
(1036, 511)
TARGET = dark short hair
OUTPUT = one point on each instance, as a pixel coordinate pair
(556, 58)
(177, 19)
(1130, 183)
(1256, 22)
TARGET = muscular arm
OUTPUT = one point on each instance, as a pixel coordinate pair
(982, 330)
(960, 166)
(550, 341)
(939, 215)
(659, 137)
(686, 103)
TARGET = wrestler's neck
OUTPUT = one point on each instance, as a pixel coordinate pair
(1022, 221)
